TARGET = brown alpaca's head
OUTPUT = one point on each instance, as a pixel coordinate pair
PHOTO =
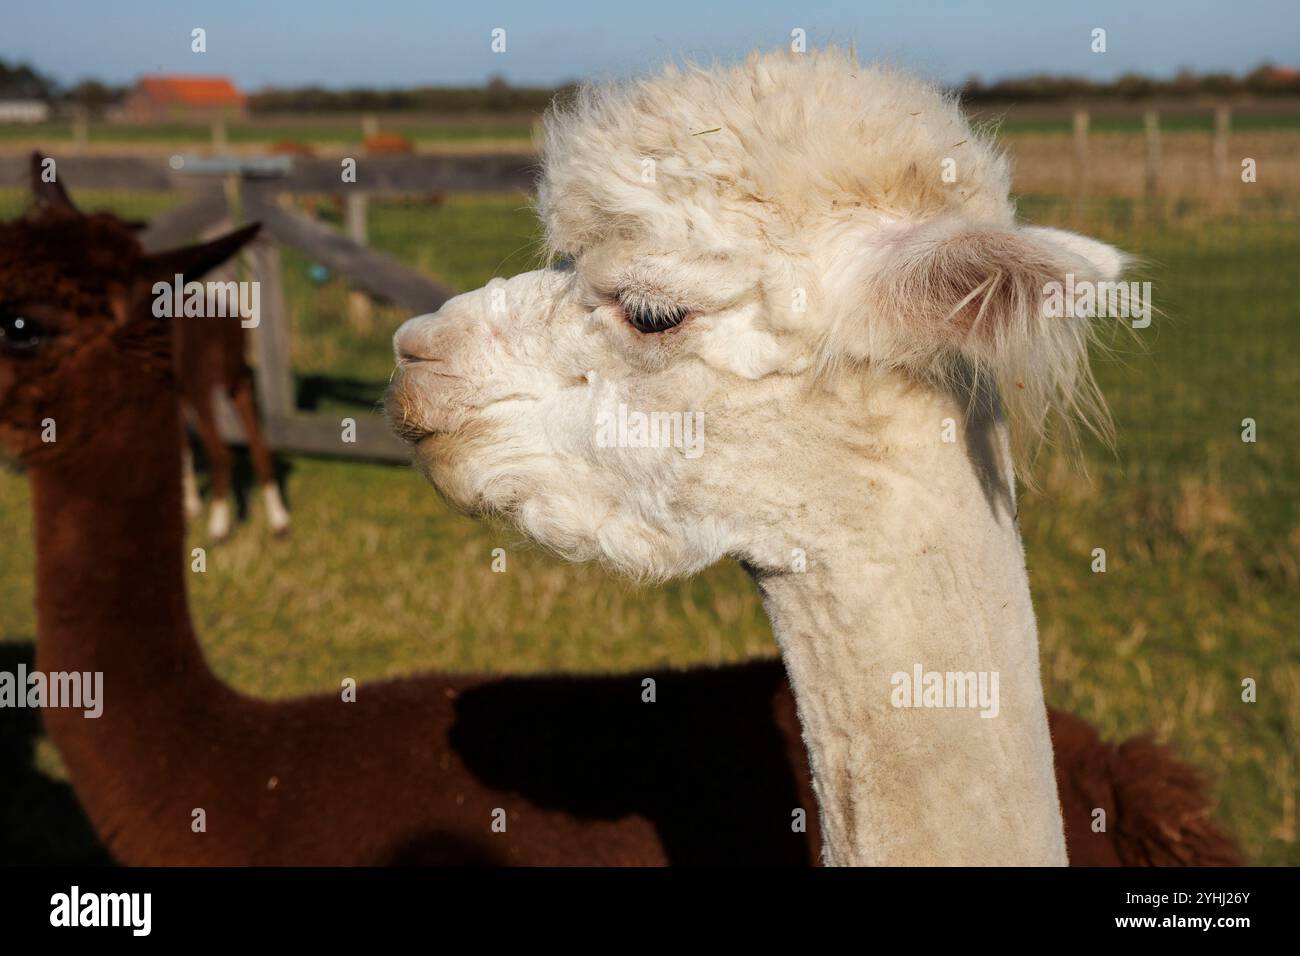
(76, 327)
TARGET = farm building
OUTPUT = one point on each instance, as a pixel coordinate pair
(158, 98)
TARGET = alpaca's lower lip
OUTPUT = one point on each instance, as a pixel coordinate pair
(425, 433)
(415, 435)
(411, 432)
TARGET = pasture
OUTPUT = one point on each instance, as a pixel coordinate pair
(1201, 530)
(514, 130)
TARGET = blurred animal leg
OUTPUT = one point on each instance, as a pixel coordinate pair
(219, 466)
(189, 484)
(277, 516)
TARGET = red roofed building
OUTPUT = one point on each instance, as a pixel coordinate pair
(155, 98)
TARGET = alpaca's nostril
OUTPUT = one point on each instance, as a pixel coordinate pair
(410, 341)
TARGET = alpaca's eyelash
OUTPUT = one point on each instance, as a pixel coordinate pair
(651, 313)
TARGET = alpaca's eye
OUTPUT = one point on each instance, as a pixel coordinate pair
(19, 333)
(652, 315)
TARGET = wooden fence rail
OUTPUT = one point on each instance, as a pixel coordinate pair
(371, 270)
(180, 223)
(375, 174)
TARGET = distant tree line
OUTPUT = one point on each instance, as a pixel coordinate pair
(22, 81)
(495, 96)
(1265, 80)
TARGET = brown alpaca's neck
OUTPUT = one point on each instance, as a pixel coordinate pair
(110, 598)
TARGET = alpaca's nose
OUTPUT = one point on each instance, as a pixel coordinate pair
(411, 341)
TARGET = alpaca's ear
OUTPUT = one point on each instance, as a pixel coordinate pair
(1107, 262)
(47, 193)
(192, 262)
(968, 285)
(950, 292)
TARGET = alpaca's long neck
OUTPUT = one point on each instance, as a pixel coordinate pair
(915, 564)
(111, 600)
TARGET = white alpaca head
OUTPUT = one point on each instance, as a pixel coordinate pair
(818, 251)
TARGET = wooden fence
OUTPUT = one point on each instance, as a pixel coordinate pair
(1221, 172)
(220, 192)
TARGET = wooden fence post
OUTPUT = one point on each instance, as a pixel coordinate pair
(219, 134)
(228, 423)
(1080, 164)
(271, 337)
(369, 127)
(360, 314)
(1151, 121)
(1222, 125)
(80, 129)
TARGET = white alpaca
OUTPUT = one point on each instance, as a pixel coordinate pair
(774, 246)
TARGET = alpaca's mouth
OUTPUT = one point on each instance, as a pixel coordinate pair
(401, 422)
(429, 433)
(403, 410)
(416, 402)
(410, 431)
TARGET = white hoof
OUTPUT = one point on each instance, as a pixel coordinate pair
(190, 490)
(219, 520)
(277, 515)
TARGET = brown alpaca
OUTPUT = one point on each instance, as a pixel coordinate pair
(415, 771)
(1157, 811)
(210, 356)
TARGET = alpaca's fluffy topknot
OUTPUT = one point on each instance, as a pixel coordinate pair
(866, 183)
(774, 141)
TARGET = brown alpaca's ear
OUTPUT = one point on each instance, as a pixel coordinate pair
(192, 262)
(47, 191)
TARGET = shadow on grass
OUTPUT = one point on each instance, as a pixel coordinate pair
(717, 768)
(41, 821)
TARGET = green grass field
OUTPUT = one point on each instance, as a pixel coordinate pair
(1201, 530)
(329, 131)
(1133, 124)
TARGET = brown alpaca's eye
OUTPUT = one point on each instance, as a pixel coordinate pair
(19, 333)
(650, 315)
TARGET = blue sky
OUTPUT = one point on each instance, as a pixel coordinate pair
(405, 42)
